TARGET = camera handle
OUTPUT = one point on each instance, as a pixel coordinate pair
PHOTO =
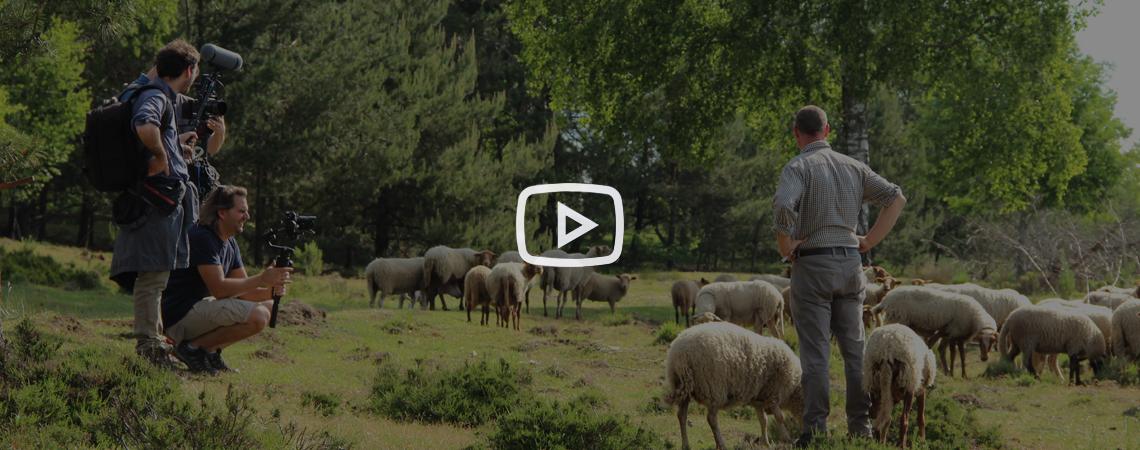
(284, 259)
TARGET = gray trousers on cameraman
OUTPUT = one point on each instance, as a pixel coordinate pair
(827, 292)
(148, 307)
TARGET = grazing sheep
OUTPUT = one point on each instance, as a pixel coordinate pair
(1107, 299)
(897, 363)
(1100, 315)
(998, 303)
(775, 280)
(505, 284)
(388, 276)
(721, 365)
(602, 288)
(787, 294)
(873, 296)
(445, 267)
(684, 294)
(475, 292)
(1042, 329)
(1132, 291)
(1126, 330)
(872, 273)
(566, 279)
(509, 256)
(936, 314)
(724, 278)
(746, 303)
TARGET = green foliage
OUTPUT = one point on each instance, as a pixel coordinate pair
(24, 265)
(326, 404)
(466, 396)
(617, 319)
(569, 425)
(309, 259)
(1121, 370)
(1002, 368)
(950, 425)
(667, 332)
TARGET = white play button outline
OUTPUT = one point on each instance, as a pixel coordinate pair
(584, 224)
(520, 225)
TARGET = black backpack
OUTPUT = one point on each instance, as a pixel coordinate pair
(114, 159)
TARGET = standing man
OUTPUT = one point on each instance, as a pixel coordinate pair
(213, 303)
(816, 210)
(146, 251)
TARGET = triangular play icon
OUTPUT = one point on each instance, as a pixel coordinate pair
(584, 224)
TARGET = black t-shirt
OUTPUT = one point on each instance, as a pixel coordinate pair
(186, 287)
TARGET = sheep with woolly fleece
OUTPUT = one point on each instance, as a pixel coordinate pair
(1043, 329)
(1126, 330)
(506, 284)
(897, 364)
(725, 278)
(1107, 299)
(445, 267)
(746, 303)
(776, 280)
(509, 256)
(602, 288)
(1100, 315)
(998, 303)
(1133, 291)
(721, 365)
(475, 292)
(565, 279)
(873, 295)
(389, 276)
(940, 315)
(684, 293)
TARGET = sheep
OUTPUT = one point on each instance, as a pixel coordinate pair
(565, 279)
(509, 256)
(786, 293)
(1126, 330)
(684, 294)
(602, 288)
(1042, 329)
(1100, 315)
(997, 303)
(389, 276)
(873, 295)
(1132, 291)
(505, 284)
(475, 292)
(724, 278)
(936, 314)
(1107, 299)
(775, 280)
(746, 303)
(897, 363)
(445, 266)
(721, 365)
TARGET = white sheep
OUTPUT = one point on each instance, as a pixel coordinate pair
(1107, 299)
(1133, 291)
(684, 293)
(389, 276)
(998, 303)
(776, 280)
(721, 365)
(746, 303)
(445, 267)
(1126, 330)
(565, 279)
(506, 284)
(940, 315)
(873, 295)
(602, 288)
(1042, 329)
(897, 364)
(475, 292)
(1100, 315)
(725, 278)
(509, 256)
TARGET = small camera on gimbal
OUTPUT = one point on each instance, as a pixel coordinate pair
(283, 238)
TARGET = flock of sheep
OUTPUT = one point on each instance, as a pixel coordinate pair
(719, 363)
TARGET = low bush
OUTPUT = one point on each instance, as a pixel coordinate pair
(573, 425)
(25, 266)
(667, 332)
(466, 396)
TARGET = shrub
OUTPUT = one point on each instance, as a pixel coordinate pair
(617, 319)
(466, 396)
(951, 425)
(25, 266)
(667, 332)
(1002, 368)
(1122, 371)
(574, 425)
(326, 404)
(309, 259)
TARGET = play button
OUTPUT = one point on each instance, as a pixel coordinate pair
(584, 224)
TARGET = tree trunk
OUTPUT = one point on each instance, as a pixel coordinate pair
(380, 227)
(854, 143)
(86, 222)
(41, 214)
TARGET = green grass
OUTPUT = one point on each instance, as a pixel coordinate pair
(322, 376)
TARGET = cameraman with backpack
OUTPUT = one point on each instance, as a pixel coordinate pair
(147, 250)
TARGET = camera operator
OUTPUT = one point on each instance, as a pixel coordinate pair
(213, 303)
(147, 250)
(216, 124)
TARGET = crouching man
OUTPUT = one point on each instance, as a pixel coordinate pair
(213, 303)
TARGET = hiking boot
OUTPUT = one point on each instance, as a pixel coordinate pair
(155, 353)
(196, 359)
(217, 363)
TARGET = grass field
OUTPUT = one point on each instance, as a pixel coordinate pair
(319, 375)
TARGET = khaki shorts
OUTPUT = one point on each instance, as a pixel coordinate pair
(209, 315)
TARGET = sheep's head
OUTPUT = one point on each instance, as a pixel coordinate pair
(599, 250)
(705, 317)
(703, 282)
(986, 341)
(531, 271)
(485, 258)
(868, 316)
(624, 280)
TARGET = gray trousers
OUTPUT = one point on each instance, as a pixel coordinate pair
(148, 307)
(827, 293)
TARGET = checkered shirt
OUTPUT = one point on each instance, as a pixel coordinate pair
(820, 194)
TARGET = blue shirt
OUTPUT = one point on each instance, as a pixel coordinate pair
(186, 287)
(148, 109)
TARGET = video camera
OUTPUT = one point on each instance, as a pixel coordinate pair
(209, 102)
(283, 237)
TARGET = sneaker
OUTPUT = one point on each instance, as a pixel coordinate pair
(196, 359)
(156, 354)
(217, 363)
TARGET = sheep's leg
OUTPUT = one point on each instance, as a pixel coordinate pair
(908, 399)
(781, 425)
(612, 311)
(486, 314)
(1075, 369)
(545, 292)
(962, 357)
(526, 298)
(677, 315)
(1029, 362)
(716, 429)
(942, 358)
(922, 414)
(1051, 363)
(682, 418)
(953, 355)
(763, 426)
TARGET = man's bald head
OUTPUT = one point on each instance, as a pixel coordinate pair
(811, 120)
